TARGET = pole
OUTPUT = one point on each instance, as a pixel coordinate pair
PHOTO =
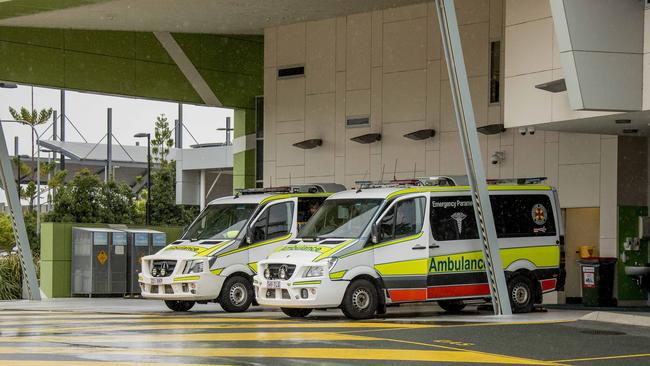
(63, 117)
(55, 117)
(227, 130)
(109, 143)
(148, 179)
(18, 221)
(38, 184)
(179, 127)
(471, 152)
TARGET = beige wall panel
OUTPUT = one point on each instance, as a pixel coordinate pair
(270, 46)
(270, 105)
(494, 113)
(376, 115)
(579, 148)
(493, 145)
(529, 155)
(341, 37)
(552, 136)
(608, 188)
(579, 185)
(451, 155)
(476, 48)
(375, 167)
(339, 170)
(404, 96)
(479, 92)
(432, 163)
(377, 37)
(358, 53)
(269, 173)
(291, 44)
(472, 11)
(320, 179)
(340, 114)
(520, 11)
(289, 127)
(508, 164)
(404, 46)
(288, 155)
(557, 61)
(350, 180)
(433, 103)
(434, 50)
(357, 156)
(447, 114)
(357, 103)
(551, 167)
(562, 110)
(496, 18)
(321, 50)
(320, 116)
(410, 154)
(290, 99)
(646, 77)
(529, 47)
(525, 104)
(508, 137)
(405, 12)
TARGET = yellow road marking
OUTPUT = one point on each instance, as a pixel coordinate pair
(297, 353)
(91, 328)
(192, 337)
(74, 316)
(167, 319)
(94, 363)
(606, 358)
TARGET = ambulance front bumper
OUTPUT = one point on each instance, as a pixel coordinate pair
(202, 286)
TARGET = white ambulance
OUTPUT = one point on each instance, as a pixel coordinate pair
(216, 258)
(368, 248)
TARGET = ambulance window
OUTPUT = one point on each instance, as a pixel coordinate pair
(403, 219)
(523, 215)
(274, 222)
(452, 218)
(307, 207)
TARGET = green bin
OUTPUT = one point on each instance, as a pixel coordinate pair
(597, 279)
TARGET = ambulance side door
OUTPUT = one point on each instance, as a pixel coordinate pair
(274, 226)
(402, 249)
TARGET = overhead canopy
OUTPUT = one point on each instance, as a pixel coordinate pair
(197, 16)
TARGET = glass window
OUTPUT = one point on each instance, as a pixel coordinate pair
(341, 218)
(405, 218)
(220, 221)
(259, 228)
(452, 218)
(307, 207)
(280, 217)
(523, 215)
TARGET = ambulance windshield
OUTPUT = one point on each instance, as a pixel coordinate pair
(341, 218)
(220, 221)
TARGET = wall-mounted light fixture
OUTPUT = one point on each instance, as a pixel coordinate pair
(421, 134)
(368, 138)
(492, 129)
(555, 86)
(308, 144)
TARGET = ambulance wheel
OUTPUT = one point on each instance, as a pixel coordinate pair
(296, 313)
(360, 300)
(522, 297)
(177, 305)
(236, 294)
(452, 306)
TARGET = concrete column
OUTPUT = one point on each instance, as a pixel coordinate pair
(202, 190)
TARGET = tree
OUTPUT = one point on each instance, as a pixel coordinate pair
(7, 239)
(33, 118)
(162, 141)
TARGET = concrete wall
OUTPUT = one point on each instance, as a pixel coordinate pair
(389, 65)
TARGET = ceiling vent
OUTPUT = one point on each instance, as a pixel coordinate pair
(291, 72)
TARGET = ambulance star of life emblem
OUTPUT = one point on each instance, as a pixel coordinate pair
(539, 214)
(459, 217)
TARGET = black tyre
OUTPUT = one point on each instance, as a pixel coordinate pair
(360, 300)
(521, 293)
(177, 305)
(236, 294)
(296, 313)
(452, 306)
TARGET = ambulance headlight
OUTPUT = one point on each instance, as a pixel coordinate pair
(315, 271)
(282, 272)
(195, 266)
(267, 274)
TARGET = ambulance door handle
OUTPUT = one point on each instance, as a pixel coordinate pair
(434, 246)
(418, 247)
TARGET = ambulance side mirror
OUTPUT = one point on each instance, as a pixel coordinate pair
(249, 235)
(374, 233)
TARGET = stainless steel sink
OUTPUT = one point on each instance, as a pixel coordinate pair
(637, 271)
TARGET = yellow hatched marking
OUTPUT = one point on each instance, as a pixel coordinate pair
(198, 337)
(288, 325)
(99, 363)
(639, 355)
(168, 319)
(297, 353)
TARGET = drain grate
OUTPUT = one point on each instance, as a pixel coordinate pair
(602, 332)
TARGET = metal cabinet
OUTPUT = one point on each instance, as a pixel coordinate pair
(141, 242)
(99, 264)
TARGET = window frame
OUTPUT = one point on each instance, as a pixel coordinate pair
(393, 206)
(267, 211)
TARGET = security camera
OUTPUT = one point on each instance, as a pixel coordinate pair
(522, 131)
(531, 130)
(497, 157)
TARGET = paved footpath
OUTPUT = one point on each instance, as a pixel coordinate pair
(52, 338)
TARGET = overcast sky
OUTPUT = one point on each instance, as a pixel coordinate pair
(88, 113)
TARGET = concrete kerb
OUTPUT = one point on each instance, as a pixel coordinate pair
(637, 319)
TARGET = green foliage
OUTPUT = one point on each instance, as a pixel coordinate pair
(164, 210)
(162, 141)
(88, 199)
(10, 278)
(33, 118)
(7, 239)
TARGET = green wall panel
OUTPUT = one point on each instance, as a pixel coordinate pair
(31, 64)
(244, 122)
(628, 226)
(117, 44)
(58, 285)
(173, 85)
(97, 72)
(244, 169)
(148, 49)
(33, 36)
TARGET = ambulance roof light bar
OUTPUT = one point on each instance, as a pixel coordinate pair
(518, 181)
(421, 181)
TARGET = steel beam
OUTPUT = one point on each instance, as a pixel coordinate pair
(472, 154)
(18, 221)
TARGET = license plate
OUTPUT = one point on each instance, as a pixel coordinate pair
(156, 281)
(273, 284)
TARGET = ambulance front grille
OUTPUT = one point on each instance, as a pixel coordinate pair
(274, 270)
